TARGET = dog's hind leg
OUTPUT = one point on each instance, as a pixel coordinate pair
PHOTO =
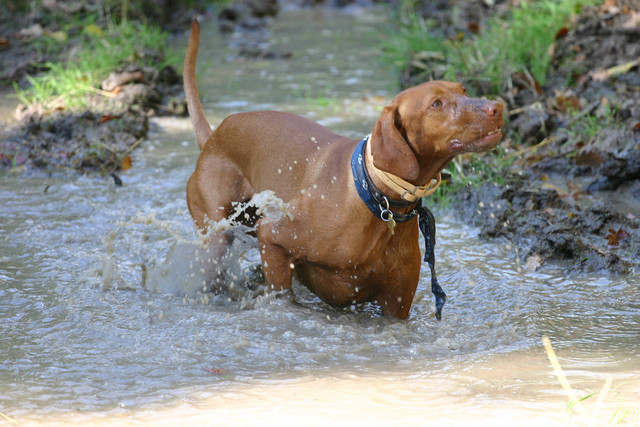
(210, 209)
(277, 261)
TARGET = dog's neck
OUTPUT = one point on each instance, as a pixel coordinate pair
(393, 185)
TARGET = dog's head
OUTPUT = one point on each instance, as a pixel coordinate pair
(430, 122)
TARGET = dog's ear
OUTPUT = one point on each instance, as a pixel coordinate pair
(391, 151)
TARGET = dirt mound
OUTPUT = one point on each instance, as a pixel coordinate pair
(82, 142)
(100, 138)
(601, 56)
(543, 226)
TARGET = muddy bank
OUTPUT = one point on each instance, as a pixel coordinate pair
(544, 226)
(113, 119)
(573, 144)
(99, 139)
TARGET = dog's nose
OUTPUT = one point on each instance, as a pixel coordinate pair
(492, 108)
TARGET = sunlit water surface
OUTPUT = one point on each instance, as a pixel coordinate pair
(84, 340)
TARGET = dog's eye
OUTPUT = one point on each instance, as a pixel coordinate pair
(437, 103)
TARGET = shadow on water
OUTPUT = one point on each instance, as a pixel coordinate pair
(105, 319)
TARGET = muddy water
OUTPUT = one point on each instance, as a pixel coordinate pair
(84, 340)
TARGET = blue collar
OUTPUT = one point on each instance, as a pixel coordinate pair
(377, 202)
(380, 206)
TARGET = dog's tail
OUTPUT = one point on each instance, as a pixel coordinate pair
(201, 126)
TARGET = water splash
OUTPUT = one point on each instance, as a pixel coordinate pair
(160, 256)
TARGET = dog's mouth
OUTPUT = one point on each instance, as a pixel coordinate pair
(484, 143)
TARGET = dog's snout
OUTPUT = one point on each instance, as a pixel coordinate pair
(492, 108)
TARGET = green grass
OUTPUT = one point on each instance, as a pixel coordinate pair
(589, 127)
(472, 170)
(99, 52)
(516, 43)
(410, 39)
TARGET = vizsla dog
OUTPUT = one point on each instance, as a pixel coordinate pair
(355, 206)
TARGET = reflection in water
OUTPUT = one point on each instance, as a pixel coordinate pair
(96, 326)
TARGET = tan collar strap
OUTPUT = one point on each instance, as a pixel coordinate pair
(406, 190)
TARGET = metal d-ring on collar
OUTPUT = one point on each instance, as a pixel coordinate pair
(387, 216)
(386, 213)
(373, 198)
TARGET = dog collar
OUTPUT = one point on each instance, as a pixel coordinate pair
(406, 190)
(373, 198)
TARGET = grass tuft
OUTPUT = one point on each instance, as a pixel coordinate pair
(472, 170)
(100, 52)
(518, 42)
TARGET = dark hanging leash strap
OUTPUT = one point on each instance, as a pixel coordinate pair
(376, 202)
(427, 225)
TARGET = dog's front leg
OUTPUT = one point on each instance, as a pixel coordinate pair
(396, 294)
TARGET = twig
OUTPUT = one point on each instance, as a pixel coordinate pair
(458, 167)
(558, 370)
(510, 91)
(533, 84)
(108, 147)
(134, 145)
(117, 179)
(533, 148)
(615, 70)
(535, 106)
(98, 91)
(8, 418)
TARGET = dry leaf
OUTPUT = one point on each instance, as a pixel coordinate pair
(126, 163)
(633, 21)
(31, 32)
(610, 6)
(566, 102)
(93, 30)
(106, 118)
(561, 192)
(561, 33)
(614, 236)
(60, 36)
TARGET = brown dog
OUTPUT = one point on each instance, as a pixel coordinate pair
(332, 241)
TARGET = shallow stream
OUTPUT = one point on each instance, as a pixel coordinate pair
(84, 341)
